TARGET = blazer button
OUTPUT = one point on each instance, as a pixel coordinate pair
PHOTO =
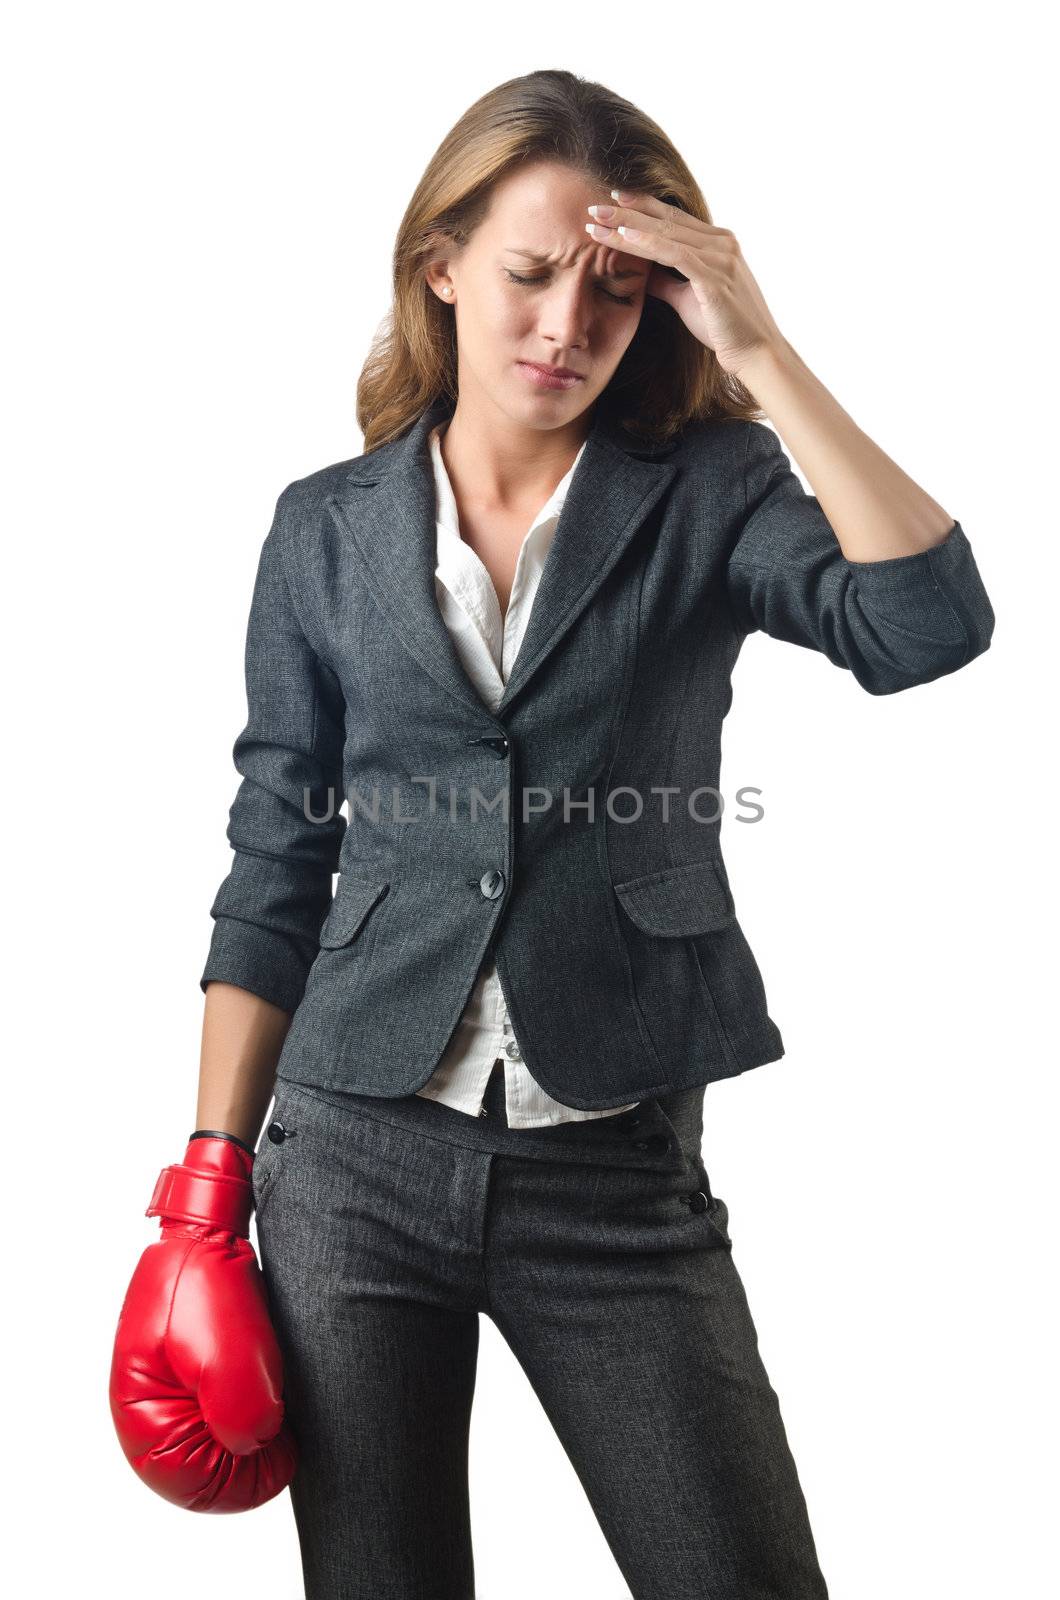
(495, 742)
(492, 884)
(276, 1133)
(698, 1202)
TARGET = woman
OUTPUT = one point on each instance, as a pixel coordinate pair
(490, 1050)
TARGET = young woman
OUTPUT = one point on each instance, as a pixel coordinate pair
(505, 634)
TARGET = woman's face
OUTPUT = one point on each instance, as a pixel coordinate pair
(531, 286)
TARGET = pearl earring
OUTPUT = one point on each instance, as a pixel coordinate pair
(447, 290)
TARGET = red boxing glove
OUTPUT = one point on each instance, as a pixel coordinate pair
(196, 1383)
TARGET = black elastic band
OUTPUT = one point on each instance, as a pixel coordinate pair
(213, 1133)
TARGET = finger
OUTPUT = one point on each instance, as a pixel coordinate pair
(665, 287)
(631, 206)
(681, 249)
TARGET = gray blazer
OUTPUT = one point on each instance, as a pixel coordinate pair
(542, 827)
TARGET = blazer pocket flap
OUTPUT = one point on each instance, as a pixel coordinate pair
(679, 901)
(354, 898)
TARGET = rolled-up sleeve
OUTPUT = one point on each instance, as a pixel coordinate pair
(892, 623)
(284, 825)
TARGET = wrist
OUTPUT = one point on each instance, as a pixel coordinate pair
(766, 363)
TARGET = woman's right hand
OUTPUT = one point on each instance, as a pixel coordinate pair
(196, 1384)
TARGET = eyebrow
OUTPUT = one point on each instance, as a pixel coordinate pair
(539, 260)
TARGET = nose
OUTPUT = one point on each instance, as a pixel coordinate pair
(565, 315)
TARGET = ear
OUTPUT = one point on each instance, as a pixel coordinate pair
(437, 271)
(438, 279)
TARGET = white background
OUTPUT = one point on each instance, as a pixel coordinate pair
(203, 201)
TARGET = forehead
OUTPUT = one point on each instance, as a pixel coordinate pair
(538, 215)
(544, 194)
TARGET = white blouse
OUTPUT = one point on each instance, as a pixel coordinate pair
(487, 645)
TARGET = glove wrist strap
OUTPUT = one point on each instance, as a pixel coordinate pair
(186, 1194)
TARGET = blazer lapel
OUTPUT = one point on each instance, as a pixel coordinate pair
(385, 508)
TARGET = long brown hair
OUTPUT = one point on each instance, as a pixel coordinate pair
(666, 377)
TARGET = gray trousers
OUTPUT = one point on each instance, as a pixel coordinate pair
(386, 1226)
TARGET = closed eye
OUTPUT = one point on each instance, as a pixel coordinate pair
(619, 299)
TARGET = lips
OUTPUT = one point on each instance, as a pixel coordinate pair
(546, 377)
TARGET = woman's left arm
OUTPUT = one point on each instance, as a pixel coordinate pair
(874, 508)
(868, 569)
